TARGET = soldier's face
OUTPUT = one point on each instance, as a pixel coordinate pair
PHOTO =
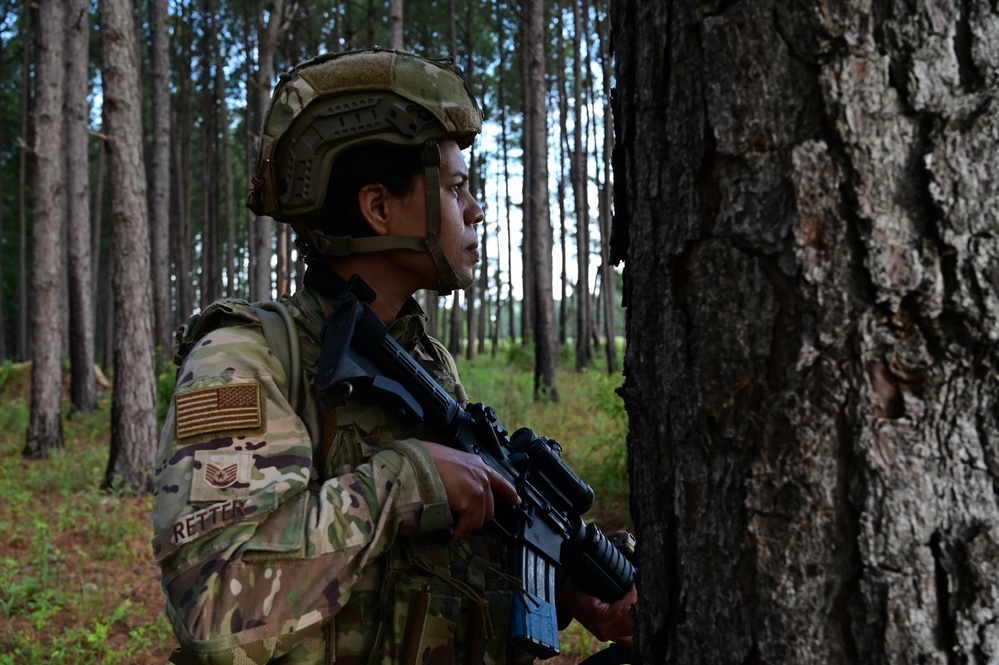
(460, 212)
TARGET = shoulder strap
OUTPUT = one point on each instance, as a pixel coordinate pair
(282, 337)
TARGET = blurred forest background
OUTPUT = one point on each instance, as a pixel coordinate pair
(86, 197)
(128, 131)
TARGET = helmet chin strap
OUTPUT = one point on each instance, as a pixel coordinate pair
(448, 278)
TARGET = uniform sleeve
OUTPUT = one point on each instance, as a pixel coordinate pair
(253, 559)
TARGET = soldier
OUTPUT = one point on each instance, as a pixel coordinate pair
(292, 533)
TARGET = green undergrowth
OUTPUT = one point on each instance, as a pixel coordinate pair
(588, 421)
(75, 570)
(76, 581)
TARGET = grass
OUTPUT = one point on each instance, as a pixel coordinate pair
(77, 585)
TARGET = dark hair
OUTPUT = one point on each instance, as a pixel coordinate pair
(395, 167)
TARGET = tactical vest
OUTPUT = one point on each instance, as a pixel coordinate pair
(423, 601)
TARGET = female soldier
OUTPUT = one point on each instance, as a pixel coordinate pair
(290, 530)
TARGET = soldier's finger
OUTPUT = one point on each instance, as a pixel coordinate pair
(503, 488)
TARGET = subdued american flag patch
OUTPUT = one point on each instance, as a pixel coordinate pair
(218, 409)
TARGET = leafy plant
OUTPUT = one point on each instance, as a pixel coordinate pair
(64, 592)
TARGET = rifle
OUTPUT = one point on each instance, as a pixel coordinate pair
(545, 532)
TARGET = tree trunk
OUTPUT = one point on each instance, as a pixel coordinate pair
(261, 284)
(454, 327)
(133, 412)
(97, 235)
(182, 160)
(83, 382)
(395, 24)
(159, 199)
(545, 334)
(4, 346)
(563, 142)
(608, 279)
(505, 146)
(806, 203)
(44, 436)
(372, 23)
(23, 342)
(471, 294)
(482, 313)
(228, 206)
(211, 273)
(528, 250)
(577, 172)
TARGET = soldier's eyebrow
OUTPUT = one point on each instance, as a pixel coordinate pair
(460, 175)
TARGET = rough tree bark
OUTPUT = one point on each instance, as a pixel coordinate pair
(76, 123)
(159, 198)
(807, 205)
(536, 201)
(44, 436)
(133, 410)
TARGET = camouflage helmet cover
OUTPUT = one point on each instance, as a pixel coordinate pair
(340, 101)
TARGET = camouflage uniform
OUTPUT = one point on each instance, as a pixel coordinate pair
(306, 537)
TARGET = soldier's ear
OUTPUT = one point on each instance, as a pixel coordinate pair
(384, 212)
(374, 201)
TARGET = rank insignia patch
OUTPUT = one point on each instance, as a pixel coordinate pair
(221, 475)
(219, 409)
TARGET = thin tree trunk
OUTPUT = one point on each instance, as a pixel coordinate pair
(608, 279)
(133, 412)
(395, 24)
(4, 346)
(545, 334)
(44, 437)
(504, 142)
(96, 241)
(590, 132)
(454, 327)
(261, 284)
(225, 169)
(372, 23)
(210, 269)
(563, 139)
(452, 29)
(253, 127)
(483, 309)
(23, 345)
(159, 85)
(83, 386)
(181, 139)
(577, 170)
(528, 248)
(471, 294)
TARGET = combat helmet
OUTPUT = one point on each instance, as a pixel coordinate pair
(340, 101)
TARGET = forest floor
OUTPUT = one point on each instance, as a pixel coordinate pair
(77, 581)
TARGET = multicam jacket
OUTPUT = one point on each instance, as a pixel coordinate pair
(311, 536)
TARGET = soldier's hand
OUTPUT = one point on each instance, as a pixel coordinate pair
(469, 484)
(609, 622)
